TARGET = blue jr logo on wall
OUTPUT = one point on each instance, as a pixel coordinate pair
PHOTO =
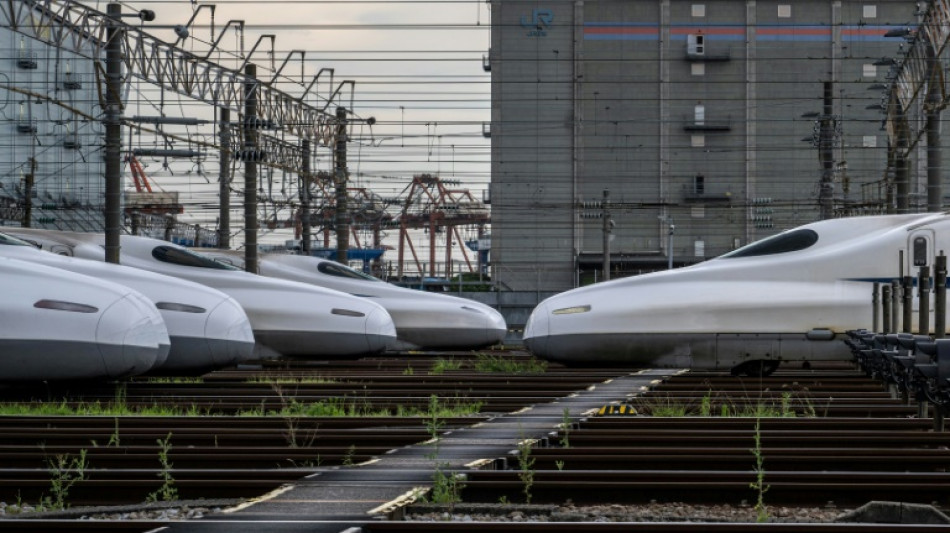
(539, 22)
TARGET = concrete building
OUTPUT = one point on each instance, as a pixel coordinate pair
(710, 124)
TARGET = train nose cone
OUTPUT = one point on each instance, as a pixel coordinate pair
(132, 338)
(229, 334)
(380, 329)
(497, 327)
(537, 330)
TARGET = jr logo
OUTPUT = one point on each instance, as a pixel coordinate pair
(538, 23)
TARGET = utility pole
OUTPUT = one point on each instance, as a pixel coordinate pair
(224, 179)
(605, 216)
(826, 142)
(251, 156)
(305, 179)
(342, 221)
(113, 139)
(932, 107)
(28, 180)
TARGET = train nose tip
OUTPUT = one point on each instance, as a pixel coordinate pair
(537, 329)
(134, 337)
(380, 329)
(495, 326)
(229, 334)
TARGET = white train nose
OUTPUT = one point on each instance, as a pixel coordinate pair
(380, 329)
(132, 337)
(537, 329)
(229, 334)
(497, 328)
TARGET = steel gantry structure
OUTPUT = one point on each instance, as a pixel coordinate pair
(122, 52)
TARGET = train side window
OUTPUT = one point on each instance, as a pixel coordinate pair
(791, 241)
(178, 256)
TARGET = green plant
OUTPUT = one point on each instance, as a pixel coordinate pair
(526, 467)
(350, 454)
(762, 513)
(434, 424)
(65, 471)
(114, 439)
(509, 365)
(440, 366)
(408, 371)
(705, 406)
(566, 424)
(559, 465)
(167, 492)
(503, 499)
(446, 487)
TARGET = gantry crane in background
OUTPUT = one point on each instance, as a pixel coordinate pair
(428, 204)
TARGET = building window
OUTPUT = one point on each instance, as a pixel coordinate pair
(697, 69)
(699, 114)
(870, 12)
(698, 141)
(869, 141)
(699, 248)
(696, 45)
(698, 211)
(869, 70)
(699, 184)
(784, 11)
(699, 10)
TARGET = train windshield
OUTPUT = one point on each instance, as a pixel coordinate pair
(340, 271)
(791, 241)
(13, 241)
(179, 256)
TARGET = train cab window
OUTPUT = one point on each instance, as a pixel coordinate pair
(340, 271)
(13, 241)
(791, 241)
(178, 256)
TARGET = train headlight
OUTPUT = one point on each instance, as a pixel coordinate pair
(58, 305)
(571, 310)
(347, 312)
(182, 308)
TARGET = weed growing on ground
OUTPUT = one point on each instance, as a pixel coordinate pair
(566, 425)
(509, 365)
(526, 467)
(762, 512)
(65, 471)
(350, 455)
(440, 366)
(446, 487)
(167, 492)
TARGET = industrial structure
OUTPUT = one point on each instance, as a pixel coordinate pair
(629, 137)
(89, 99)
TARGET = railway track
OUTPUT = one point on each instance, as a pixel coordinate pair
(827, 435)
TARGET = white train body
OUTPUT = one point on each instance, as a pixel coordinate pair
(789, 297)
(207, 328)
(288, 318)
(58, 325)
(423, 320)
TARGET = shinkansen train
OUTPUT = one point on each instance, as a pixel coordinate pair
(789, 297)
(288, 318)
(58, 325)
(207, 328)
(423, 320)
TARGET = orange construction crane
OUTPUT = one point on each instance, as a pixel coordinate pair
(138, 175)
